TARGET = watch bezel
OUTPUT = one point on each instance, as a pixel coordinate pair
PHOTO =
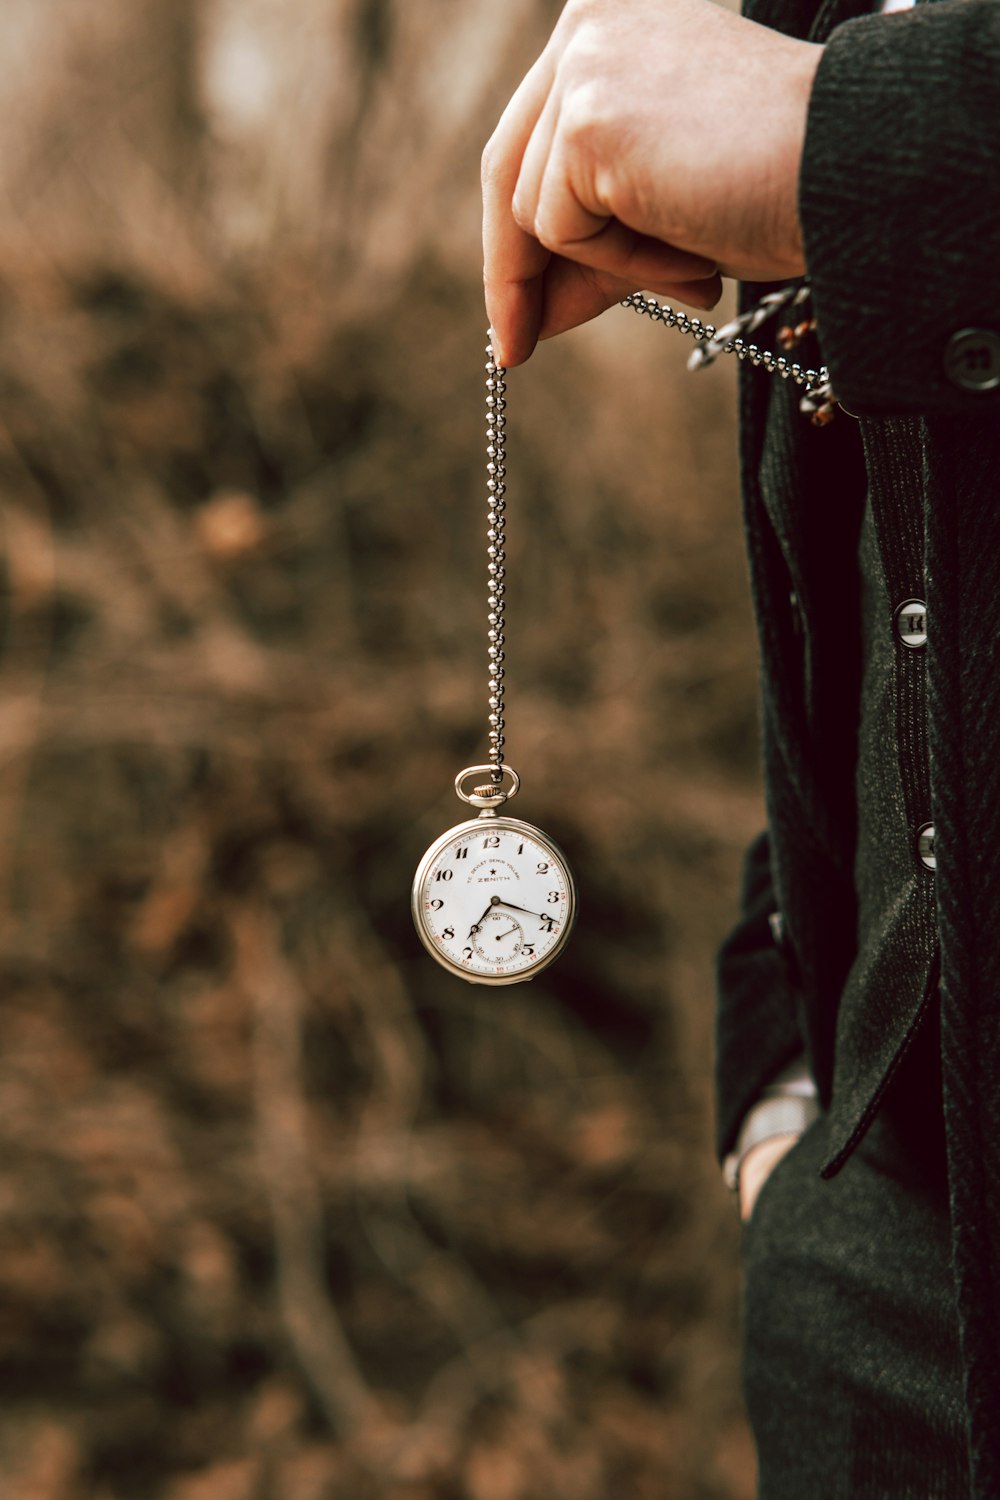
(515, 825)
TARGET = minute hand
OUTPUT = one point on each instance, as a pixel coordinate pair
(543, 916)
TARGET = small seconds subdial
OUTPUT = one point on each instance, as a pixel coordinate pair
(494, 900)
(498, 939)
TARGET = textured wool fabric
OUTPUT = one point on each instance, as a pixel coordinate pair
(803, 498)
(963, 599)
(894, 975)
(900, 198)
(870, 1405)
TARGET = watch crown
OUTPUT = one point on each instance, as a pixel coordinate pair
(488, 798)
(489, 793)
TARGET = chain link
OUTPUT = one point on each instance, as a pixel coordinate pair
(815, 382)
(496, 454)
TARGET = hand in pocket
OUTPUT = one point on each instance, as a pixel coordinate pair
(757, 1166)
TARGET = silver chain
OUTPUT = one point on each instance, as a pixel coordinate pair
(496, 454)
(818, 396)
(815, 382)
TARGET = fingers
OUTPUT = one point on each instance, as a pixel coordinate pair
(533, 293)
(514, 261)
(757, 1166)
(617, 258)
(559, 199)
(573, 294)
(536, 166)
(554, 255)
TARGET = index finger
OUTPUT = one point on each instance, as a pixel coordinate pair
(514, 262)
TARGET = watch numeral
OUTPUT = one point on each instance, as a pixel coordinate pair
(541, 869)
(528, 950)
(443, 875)
(467, 954)
(436, 904)
(520, 848)
(548, 922)
(449, 932)
(493, 842)
(462, 853)
(553, 897)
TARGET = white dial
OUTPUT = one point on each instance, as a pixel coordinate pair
(494, 900)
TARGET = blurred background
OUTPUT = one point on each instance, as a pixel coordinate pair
(287, 1212)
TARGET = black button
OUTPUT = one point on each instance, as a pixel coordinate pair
(972, 359)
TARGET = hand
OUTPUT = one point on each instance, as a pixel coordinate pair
(651, 146)
(757, 1166)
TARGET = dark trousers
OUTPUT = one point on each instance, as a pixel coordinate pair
(852, 1372)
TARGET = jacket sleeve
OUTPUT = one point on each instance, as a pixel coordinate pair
(899, 198)
(757, 1029)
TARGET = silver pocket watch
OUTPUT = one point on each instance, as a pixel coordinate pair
(493, 898)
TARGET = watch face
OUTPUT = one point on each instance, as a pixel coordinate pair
(494, 900)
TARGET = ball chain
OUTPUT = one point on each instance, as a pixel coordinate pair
(818, 399)
(816, 382)
(496, 453)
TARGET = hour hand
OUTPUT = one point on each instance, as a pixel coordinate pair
(476, 925)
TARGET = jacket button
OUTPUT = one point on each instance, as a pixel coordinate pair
(925, 846)
(911, 623)
(972, 359)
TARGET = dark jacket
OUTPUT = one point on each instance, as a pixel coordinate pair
(900, 205)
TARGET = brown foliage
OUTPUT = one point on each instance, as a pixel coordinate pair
(287, 1212)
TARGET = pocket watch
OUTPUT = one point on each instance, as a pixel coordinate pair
(494, 898)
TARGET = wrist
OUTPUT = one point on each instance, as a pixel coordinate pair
(767, 242)
(795, 89)
(805, 76)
